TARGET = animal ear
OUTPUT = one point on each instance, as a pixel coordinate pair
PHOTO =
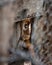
(31, 20)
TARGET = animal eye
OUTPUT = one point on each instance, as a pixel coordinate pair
(26, 26)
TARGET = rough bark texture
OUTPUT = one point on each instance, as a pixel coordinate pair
(41, 37)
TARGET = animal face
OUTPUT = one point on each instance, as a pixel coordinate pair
(26, 29)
